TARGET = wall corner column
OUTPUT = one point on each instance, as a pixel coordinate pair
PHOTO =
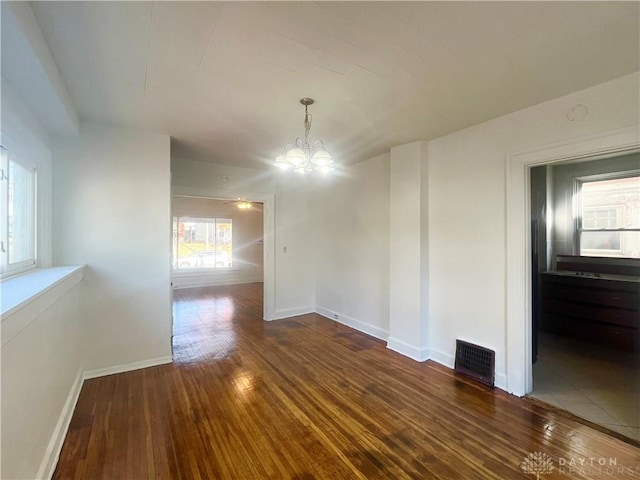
(409, 266)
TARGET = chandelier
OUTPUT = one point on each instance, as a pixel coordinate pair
(301, 156)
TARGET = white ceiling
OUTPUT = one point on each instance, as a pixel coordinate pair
(224, 78)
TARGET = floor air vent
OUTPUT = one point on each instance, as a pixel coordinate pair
(476, 362)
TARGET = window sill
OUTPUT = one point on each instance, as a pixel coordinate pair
(26, 296)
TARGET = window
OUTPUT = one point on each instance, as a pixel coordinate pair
(202, 243)
(18, 212)
(609, 217)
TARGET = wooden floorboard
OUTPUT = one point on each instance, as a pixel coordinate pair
(307, 398)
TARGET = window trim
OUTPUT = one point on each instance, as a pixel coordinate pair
(196, 270)
(7, 269)
(578, 182)
(4, 211)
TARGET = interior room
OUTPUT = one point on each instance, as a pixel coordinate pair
(318, 239)
(216, 242)
(586, 257)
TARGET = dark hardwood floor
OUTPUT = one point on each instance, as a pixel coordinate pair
(307, 398)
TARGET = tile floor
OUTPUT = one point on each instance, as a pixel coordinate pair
(593, 382)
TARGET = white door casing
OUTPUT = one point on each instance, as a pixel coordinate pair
(518, 237)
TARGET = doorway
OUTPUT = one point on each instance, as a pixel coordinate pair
(267, 242)
(585, 317)
(219, 250)
(210, 321)
(216, 241)
(518, 238)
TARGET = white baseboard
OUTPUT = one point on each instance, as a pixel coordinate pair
(363, 327)
(501, 381)
(186, 282)
(290, 312)
(101, 372)
(52, 453)
(443, 358)
(448, 361)
(411, 351)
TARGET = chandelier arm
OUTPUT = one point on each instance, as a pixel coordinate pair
(303, 157)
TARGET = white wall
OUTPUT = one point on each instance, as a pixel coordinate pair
(294, 269)
(111, 204)
(295, 274)
(247, 237)
(41, 362)
(234, 181)
(408, 228)
(28, 65)
(351, 247)
(467, 172)
(464, 226)
(41, 370)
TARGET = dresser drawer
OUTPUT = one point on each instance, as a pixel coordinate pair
(611, 298)
(591, 313)
(615, 336)
(604, 309)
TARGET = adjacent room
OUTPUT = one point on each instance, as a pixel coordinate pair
(216, 242)
(586, 264)
(319, 240)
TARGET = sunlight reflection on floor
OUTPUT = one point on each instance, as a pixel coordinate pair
(203, 328)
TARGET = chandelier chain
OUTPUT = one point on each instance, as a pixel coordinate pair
(307, 122)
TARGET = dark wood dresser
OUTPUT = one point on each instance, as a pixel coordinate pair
(593, 299)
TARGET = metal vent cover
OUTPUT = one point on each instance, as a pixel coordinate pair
(476, 362)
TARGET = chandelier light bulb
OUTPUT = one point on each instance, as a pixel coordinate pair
(303, 169)
(296, 156)
(321, 157)
(281, 162)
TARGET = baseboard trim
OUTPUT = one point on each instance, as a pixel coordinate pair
(179, 285)
(501, 382)
(449, 361)
(52, 453)
(443, 358)
(411, 351)
(356, 324)
(290, 312)
(102, 372)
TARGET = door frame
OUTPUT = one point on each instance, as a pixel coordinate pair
(268, 201)
(518, 237)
